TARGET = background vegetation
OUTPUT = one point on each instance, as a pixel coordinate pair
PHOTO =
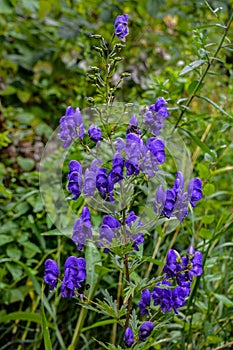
(46, 54)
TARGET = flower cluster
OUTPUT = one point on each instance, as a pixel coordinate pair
(110, 229)
(174, 290)
(143, 333)
(74, 275)
(174, 201)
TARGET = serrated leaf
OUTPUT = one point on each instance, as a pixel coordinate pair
(191, 66)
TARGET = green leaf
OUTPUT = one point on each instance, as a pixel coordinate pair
(99, 324)
(205, 233)
(93, 258)
(23, 96)
(222, 298)
(201, 144)
(45, 330)
(208, 189)
(193, 85)
(204, 172)
(21, 316)
(26, 164)
(3, 190)
(13, 252)
(193, 65)
(208, 219)
(215, 105)
(5, 239)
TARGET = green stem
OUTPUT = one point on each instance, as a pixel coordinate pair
(204, 73)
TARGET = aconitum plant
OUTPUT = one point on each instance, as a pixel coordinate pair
(123, 159)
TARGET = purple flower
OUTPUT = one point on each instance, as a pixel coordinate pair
(51, 273)
(116, 174)
(128, 337)
(95, 133)
(145, 330)
(103, 185)
(89, 185)
(108, 231)
(195, 191)
(121, 27)
(156, 148)
(75, 178)
(179, 296)
(74, 275)
(144, 303)
(173, 264)
(71, 126)
(154, 116)
(163, 296)
(138, 237)
(196, 263)
(82, 228)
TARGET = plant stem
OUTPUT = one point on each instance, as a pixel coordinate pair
(204, 73)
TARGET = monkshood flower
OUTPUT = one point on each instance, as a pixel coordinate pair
(138, 237)
(195, 191)
(174, 201)
(163, 295)
(89, 185)
(156, 148)
(75, 178)
(95, 133)
(116, 174)
(192, 267)
(144, 303)
(104, 185)
(121, 27)
(173, 264)
(51, 273)
(154, 116)
(179, 297)
(108, 231)
(74, 275)
(82, 228)
(71, 126)
(145, 330)
(128, 337)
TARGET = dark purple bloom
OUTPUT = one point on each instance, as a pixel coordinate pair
(162, 295)
(95, 133)
(196, 262)
(159, 103)
(179, 296)
(82, 228)
(71, 126)
(195, 191)
(74, 275)
(154, 116)
(145, 330)
(121, 27)
(108, 230)
(137, 239)
(144, 303)
(104, 185)
(116, 174)
(89, 185)
(156, 148)
(160, 198)
(128, 337)
(75, 178)
(51, 273)
(173, 264)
